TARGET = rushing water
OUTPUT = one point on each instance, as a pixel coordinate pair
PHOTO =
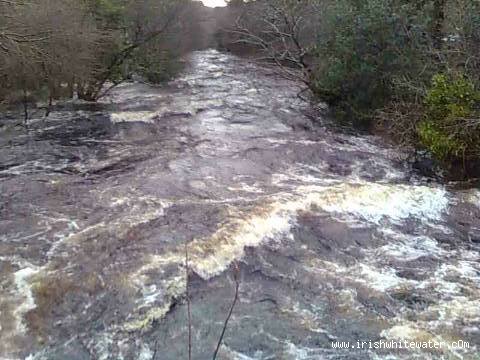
(335, 238)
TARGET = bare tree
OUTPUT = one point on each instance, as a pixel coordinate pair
(147, 21)
(284, 31)
(44, 45)
(50, 48)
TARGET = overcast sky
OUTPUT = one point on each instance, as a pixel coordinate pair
(214, 3)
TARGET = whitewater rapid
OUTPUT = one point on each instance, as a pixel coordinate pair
(336, 238)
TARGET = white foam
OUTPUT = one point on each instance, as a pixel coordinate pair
(132, 116)
(24, 289)
(247, 188)
(171, 289)
(408, 247)
(102, 344)
(296, 352)
(380, 280)
(407, 332)
(212, 256)
(145, 353)
(460, 308)
(373, 201)
(462, 269)
(228, 353)
(366, 200)
(473, 197)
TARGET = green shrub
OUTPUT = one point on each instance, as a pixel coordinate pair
(449, 99)
(440, 144)
(449, 130)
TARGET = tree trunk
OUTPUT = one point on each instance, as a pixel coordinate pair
(87, 92)
(71, 88)
(438, 23)
(49, 105)
(25, 105)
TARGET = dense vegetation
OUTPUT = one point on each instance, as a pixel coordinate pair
(408, 68)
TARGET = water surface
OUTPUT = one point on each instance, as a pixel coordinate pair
(335, 237)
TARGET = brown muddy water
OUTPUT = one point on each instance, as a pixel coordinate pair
(336, 238)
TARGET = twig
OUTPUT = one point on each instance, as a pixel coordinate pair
(235, 299)
(155, 349)
(187, 294)
(25, 105)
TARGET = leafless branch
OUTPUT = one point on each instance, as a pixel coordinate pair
(275, 28)
(187, 294)
(236, 276)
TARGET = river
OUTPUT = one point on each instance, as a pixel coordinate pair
(335, 237)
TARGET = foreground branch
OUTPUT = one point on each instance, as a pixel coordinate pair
(187, 294)
(235, 299)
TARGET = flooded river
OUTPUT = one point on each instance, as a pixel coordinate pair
(335, 237)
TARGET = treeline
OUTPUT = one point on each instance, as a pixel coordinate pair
(51, 49)
(407, 68)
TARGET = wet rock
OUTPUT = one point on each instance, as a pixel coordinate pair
(412, 299)
(426, 165)
(340, 169)
(447, 240)
(334, 240)
(376, 302)
(474, 236)
(413, 274)
(75, 350)
(417, 270)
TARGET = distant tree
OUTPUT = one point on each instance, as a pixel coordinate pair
(284, 31)
(44, 45)
(133, 24)
(53, 48)
(235, 3)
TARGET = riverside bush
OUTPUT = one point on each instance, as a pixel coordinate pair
(451, 128)
(395, 61)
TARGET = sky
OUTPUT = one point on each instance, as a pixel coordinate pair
(213, 3)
